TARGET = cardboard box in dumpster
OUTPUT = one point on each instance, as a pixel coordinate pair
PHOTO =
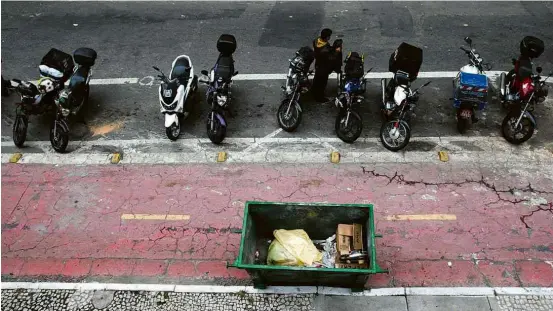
(348, 238)
(344, 265)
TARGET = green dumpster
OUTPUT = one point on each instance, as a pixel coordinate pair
(320, 221)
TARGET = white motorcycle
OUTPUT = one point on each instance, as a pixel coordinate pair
(175, 92)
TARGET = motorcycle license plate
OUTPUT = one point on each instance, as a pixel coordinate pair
(167, 93)
(466, 113)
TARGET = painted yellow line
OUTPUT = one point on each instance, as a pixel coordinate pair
(423, 217)
(154, 217)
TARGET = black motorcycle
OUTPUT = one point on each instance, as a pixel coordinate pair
(398, 100)
(297, 83)
(72, 98)
(219, 82)
(352, 84)
(33, 102)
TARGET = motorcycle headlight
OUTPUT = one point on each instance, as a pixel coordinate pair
(65, 112)
(221, 100)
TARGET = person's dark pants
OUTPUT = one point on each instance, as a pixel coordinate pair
(319, 83)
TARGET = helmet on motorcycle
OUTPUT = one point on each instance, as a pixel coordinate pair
(46, 85)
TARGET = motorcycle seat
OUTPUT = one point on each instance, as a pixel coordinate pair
(79, 77)
(181, 70)
(224, 68)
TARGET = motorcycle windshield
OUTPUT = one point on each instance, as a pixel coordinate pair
(169, 91)
(180, 72)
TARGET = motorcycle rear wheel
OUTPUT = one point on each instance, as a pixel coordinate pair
(288, 122)
(352, 131)
(387, 136)
(20, 126)
(463, 124)
(509, 132)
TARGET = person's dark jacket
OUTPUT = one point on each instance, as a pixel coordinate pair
(325, 55)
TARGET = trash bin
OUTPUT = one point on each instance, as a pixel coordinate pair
(320, 221)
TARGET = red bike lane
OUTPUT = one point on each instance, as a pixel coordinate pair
(442, 225)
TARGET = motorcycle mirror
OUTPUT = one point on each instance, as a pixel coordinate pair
(468, 40)
(204, 72)
(427, 83)
(155, 68)
(235, 73)
(539, 69)
(513, 60)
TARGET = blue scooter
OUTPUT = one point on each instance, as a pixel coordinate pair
(470, 89)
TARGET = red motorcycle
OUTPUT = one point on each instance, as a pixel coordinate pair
(521, 90)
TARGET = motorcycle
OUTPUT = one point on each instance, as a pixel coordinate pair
(470, 88)
(71, 99)
(520, 120)
(521, 90)
(297, 83)
(33, 102)
(55, 69)
(351, 87)
(398, 100)
(174, 93)
(219, 82)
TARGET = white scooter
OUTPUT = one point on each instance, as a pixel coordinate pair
(174, 93)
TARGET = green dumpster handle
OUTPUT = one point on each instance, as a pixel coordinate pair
(377, 235)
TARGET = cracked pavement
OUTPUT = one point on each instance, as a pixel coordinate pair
(64, 222)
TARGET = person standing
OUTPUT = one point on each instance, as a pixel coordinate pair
(325, 63)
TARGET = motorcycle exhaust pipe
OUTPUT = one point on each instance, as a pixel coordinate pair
(502, 84)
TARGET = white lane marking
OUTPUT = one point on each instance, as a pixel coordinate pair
(114, 81)
(492, 75)
(392, 291)
(259, 141)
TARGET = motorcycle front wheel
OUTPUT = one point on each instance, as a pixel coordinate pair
(351, 131)
(289, 116)
(219, 130)
(20, 130)
(520, 134)
(173, 131)
(395, 135)
(59, 136)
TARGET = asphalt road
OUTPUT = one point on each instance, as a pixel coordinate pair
(130, 37)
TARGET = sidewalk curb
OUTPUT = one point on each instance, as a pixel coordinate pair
(331, 291)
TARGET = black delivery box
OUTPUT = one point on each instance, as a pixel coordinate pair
(531, 47)
(226, 44)
(407, 58)
(59, 60)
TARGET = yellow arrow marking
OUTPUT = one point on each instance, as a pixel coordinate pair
(154, 217)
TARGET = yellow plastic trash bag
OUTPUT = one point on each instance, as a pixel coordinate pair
(293, 248)
(279, 256)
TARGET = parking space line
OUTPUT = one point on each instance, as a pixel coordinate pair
(282, 76)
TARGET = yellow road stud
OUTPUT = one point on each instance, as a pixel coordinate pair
(15, 157)
(335, 157)
(443, 156)
(115, 158)
(221, 156)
